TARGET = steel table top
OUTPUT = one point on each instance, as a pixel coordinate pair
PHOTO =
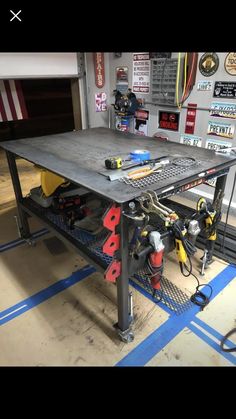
(79, 156)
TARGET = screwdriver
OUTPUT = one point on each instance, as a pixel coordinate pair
(143, 162)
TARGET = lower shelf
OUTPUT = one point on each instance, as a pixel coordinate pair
(89, 244)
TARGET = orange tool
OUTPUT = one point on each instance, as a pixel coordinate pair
(143, 172)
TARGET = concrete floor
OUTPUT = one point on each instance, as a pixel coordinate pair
(47, 321)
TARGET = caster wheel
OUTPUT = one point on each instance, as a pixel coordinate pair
(129, 338)
(31, 243)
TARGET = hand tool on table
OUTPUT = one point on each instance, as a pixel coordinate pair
(114, 162)
(143, 172)
(144, 162)
(119, 174)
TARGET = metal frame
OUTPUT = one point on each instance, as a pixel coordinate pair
(123, 296)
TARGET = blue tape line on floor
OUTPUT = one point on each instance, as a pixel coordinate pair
(155, 342)
(214, 332)
(45, 294)
(212, 343)
(147, 295)
(18, 242)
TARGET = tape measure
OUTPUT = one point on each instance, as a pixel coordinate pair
(113, 163)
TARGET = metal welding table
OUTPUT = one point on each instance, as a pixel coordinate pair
(79, 157)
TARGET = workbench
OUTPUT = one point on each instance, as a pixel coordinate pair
(79, 157)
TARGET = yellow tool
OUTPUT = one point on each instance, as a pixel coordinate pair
(50, 182)
(202, 205)
(113, 163)
(180, 250)
(209, 221)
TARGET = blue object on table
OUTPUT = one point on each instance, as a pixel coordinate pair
(139, 155)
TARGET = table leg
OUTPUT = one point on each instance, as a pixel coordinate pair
(220, 185)
(22, 216)
(123, 295)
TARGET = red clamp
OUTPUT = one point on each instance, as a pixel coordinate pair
(113, 271)
(112, 217)
(111, 244)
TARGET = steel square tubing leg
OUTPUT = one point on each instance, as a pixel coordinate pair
(220, 185)
(24, 225)
(123, 298)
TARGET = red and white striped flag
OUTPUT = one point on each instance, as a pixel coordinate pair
(12, 102)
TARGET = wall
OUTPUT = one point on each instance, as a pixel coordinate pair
(203, 99)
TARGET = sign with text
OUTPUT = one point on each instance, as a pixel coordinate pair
(223, 110)
(169, 120)
(141, 73)
(99, 69)
(230, 63)
(190, 118)
(101, 102)
(208, 64)
(217, 145)
(191, 140)
(225, 89)
(204, 85)
(220, 129)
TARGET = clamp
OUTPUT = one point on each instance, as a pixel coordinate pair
(152, 205)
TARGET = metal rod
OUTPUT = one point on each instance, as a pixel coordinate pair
(24, 225)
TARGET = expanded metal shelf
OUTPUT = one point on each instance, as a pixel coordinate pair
(89, 244)
(91, 247)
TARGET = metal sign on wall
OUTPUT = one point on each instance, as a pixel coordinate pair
(101, 102)
(217, 145)
(190, 118)
(208, 64)
(169, 120)
(141, 73)
(225, 89)
(230, 63)
(204, 85)
(191, 140)
(223, 110)
(99, 69)
(220, 129)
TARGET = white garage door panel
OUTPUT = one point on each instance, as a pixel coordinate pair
(21, 65)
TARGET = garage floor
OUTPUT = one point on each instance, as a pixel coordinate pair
(55, 309)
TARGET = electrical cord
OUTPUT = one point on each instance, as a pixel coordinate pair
(189, 248)
(186, 96)
(211, 229)
(198, 298)
(233, 349)
(185, 77)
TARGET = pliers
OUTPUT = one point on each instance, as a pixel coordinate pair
(144, 171)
